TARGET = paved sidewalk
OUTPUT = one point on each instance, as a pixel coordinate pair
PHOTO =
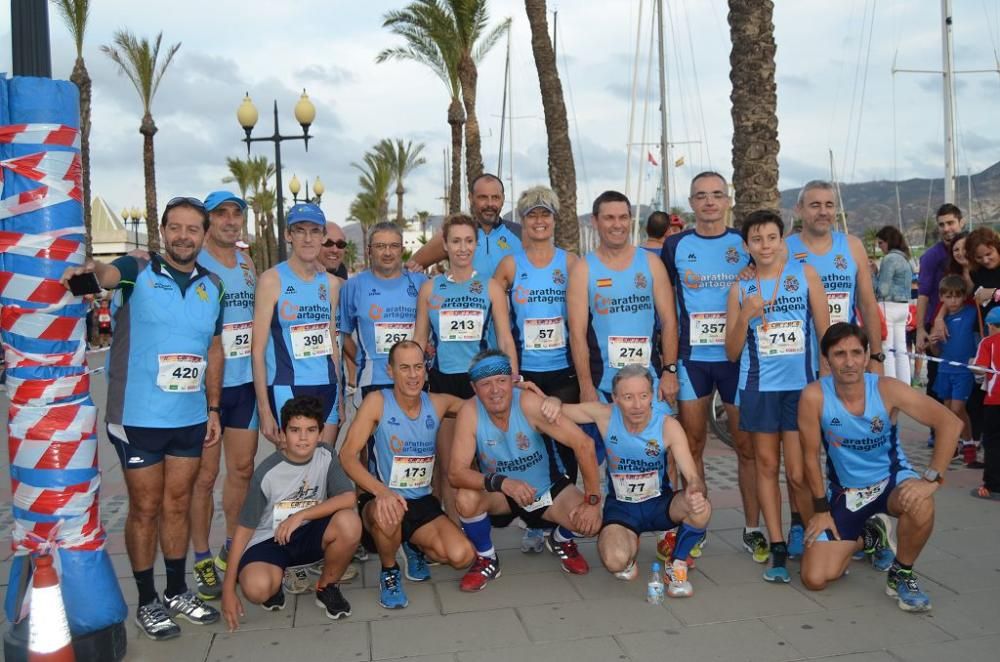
(537, 612)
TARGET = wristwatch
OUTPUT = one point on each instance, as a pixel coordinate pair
(932, 476)
(593, 499)
(670, 367)
(880, 357)
(217, 410)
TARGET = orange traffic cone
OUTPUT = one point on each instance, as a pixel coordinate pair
(49, 639)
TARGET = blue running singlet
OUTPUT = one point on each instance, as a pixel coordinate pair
(637, 462)
(860, 450)
(538, 313)
(237, 316)
(779, 357)
(299, 346)
(383, 312)
(460, 314)
(702, 269)
(836, 268)
(402, 451)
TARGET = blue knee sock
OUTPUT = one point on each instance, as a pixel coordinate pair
(201, 556)
(479, 532)
(562, 534)
(687, 537)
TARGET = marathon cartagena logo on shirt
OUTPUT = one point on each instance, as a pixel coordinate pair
(791, 284)
(523, 295)
(694, 280)
(313, 312)
(862, 445)
(633, 303)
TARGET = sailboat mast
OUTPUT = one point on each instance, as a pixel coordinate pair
(664, 138)
(950, 155)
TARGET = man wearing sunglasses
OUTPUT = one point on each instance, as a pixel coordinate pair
(332, 254)
(164, 388)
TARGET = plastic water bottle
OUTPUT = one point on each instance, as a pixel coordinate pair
(654, 590)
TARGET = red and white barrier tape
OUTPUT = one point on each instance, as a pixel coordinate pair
(32, 324)
(40, 134)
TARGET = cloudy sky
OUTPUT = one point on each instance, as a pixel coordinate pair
(835, 91)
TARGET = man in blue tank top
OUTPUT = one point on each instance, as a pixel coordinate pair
(854, 414)
(515, 474)
(841, 262)
(399, 427)
(496, 238)
(613, 297)
(164, 389)
(294, 350)
(640, 497)
(769, 325)
(379, 305)
(702, 264)
(238, 403)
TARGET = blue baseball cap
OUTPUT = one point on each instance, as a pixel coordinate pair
(306, 212)
(993, 317)
(214, 199)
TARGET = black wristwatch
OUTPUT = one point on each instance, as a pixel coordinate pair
(880, 357)
(670, 367)
(593, 499)
(217, 410)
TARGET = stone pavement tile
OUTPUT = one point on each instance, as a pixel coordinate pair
(853, 630)
(871, 656)
(970, 542)
(445, 657)
(733, 568)
(334, 642)
(972, 574)
(189, 646)
(429, 635)
(576, 620)
(600, 584)
(955, 509)
(255, 617)
(365, 607)
(726, 518)
(509, 591)
(967, 615)
(739, 602)
(983, 648)
(123, 569)
(600, 649)
(744, 641)
(864, 586)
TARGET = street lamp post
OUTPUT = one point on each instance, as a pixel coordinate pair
(305, 113)
(132, 216)
(294, 186)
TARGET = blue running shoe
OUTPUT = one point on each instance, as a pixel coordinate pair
(882, 559)
(533, 541)
(415, 564)
(796, 541)
(902, 585)
(858, 555)
(777, 575)
(390, 590)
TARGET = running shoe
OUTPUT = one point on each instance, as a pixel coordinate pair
(330, 598)
(533, 541)
(296, 580)
(679, 586)
(350, 572)
(569, 555)
(274, 603)
(755, 543)
(390, 590)
(154, 621)
(206, 580)
(777, 575)
(189, 606)
(414, 564)
(902, 585)
(796, 541)
(630, 572)
(885, 529)
(859, 555)
(222, 558)
(361, 554)
(484, 569)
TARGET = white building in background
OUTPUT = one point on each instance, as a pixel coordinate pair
(111, 236)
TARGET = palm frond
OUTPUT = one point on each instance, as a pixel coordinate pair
(75, 14)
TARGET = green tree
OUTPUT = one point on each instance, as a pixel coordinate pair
(351, 254)
(240, 174)
(75, 14)
(403, 159)
(140, 61)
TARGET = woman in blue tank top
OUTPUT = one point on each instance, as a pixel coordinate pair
(455, 310)
(769, 325)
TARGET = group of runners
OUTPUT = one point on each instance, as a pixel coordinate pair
(496, 391)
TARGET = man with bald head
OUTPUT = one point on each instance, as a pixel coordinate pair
(331, 256)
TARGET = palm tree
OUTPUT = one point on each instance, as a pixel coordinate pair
(403, 159)
(75, 14)
(562, 170)
(429, 42)
(364, 210)
(755, 100)
(140, 62)
(422, 218)
(264, 203)
(376, 180)
(240, 174)
(351, 254)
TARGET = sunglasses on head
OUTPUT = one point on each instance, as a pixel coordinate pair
(194, 202)
(340, 243)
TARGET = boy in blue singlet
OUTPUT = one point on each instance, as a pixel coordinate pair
(953, 384)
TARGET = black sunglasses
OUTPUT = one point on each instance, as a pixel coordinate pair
(194, 202)
(340, 243)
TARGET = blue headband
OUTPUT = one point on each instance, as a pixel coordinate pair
(490, 367)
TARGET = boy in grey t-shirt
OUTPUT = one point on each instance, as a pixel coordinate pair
(299, 509)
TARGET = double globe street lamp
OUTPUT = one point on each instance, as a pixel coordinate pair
(135, 214)
(318, 188)
(247, 116)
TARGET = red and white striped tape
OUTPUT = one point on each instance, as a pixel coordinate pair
(53, 454)
(83, 533)
(64, 422)
(34, 245)
(15, 358)
(33, 200)
(31, 324)
(68, 500)
(40, 134)
(34, 289)
(59, 170)
(42, 391)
